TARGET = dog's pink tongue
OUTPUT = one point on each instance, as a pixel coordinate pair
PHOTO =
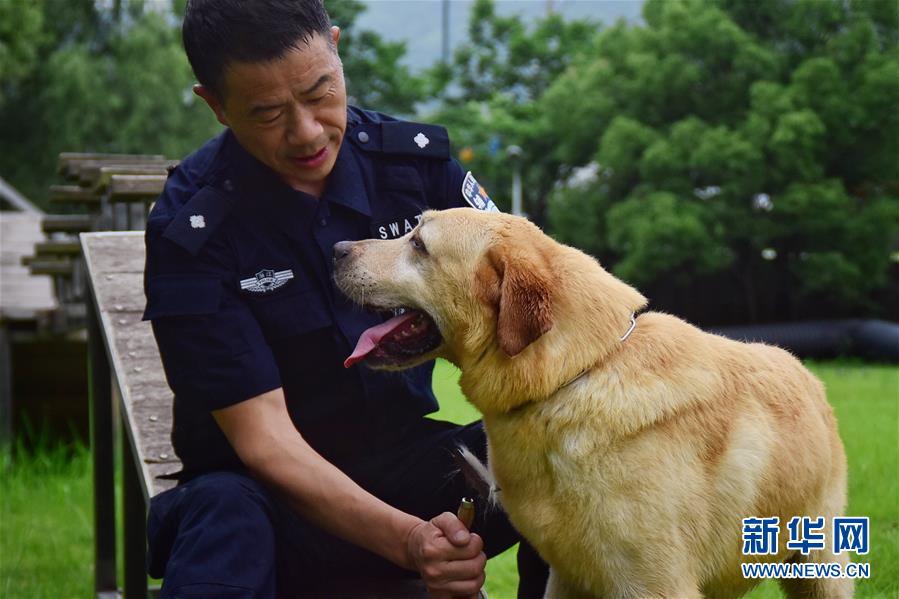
(370, 338)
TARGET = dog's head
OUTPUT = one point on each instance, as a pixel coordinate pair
(457, 283)
(477, 287)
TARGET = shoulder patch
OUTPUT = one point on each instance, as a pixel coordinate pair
(403, 138)
(415, 139)
(476, 195)
(199, 218)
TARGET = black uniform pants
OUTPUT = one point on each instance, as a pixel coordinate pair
(223, 534)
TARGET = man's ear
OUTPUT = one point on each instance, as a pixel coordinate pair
(335, 35)
(213, 102)
(519, 286)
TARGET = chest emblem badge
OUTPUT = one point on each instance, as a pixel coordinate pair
(266, 280)
(197, 221)
(421, 140)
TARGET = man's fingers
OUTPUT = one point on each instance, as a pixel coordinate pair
(458, 588)
(441, 573)
(452, 528)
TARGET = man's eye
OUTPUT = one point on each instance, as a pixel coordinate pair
(270, 120)
(418, 244)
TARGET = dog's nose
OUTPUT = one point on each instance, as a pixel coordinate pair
(342, 250)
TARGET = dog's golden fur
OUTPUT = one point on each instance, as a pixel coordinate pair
(627, 464)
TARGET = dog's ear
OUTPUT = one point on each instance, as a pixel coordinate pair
(519, 285)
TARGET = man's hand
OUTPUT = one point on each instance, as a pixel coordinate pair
(450, 559)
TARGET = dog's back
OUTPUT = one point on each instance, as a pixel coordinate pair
(657, 455)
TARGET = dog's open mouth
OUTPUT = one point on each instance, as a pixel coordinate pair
(397, 341)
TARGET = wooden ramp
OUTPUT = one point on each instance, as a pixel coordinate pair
(115, 263)
(127, 381)
(22, 296)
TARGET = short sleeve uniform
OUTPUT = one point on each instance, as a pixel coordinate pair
(241, 296)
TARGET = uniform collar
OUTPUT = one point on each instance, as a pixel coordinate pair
(346, 184)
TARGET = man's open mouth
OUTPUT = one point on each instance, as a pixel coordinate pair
(397, 341)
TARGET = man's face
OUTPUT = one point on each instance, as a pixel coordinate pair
(289, 113)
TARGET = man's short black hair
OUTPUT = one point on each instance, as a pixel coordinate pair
(217, 33)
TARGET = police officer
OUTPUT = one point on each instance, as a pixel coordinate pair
(295, 469)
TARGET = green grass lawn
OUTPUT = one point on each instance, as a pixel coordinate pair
(46, 515)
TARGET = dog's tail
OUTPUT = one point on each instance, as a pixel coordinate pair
(477, 474)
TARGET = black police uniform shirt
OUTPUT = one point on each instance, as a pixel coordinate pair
(241, 297)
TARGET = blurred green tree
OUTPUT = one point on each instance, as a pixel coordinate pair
(376, 78)
(78, 75)
(748, 148)
(489, 95)
(104, 79)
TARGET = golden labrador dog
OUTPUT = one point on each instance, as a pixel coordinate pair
(627, 454)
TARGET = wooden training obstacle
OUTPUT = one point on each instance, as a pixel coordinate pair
(127, 383)
(128, 389)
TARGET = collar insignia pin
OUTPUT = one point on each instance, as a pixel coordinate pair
(421, 140)
(266, 280)
(197, 221)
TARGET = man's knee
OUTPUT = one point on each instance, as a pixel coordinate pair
(225, 494)
(215, 529)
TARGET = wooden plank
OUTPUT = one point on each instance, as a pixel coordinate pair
(115, 253)
(122, 292)
(73, 194)
(66, 223)
(135, 188)
(22, 295)
(98, 174)
(61, 266)
(70, 162)
(115, 264)
(57, 248)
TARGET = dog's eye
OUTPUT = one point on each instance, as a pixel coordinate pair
(418, 244)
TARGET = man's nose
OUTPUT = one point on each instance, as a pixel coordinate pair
(304, 127)
(342, 249)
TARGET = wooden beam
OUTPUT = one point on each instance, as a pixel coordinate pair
(61, 266)
(66, 223)
(57, 248)
(70, 162)
(134, 188)
(99, 176)
(73, 194)
(86, 169)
